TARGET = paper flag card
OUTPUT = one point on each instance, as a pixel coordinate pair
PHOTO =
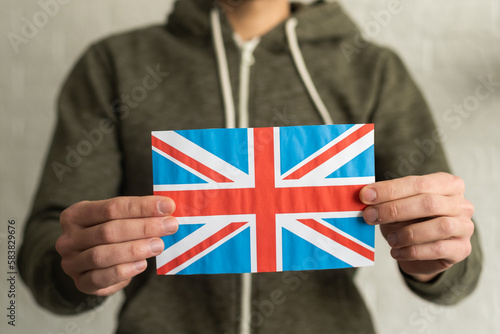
(265, 199)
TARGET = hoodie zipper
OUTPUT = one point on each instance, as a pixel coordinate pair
(247, 60)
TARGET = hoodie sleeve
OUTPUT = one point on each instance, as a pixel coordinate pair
(83, 163)
(404, 124)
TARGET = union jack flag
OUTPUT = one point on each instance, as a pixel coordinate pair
(265, 199)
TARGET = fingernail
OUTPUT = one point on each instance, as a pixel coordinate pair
(140, 265)
(369, 195)
(392, 239)
(370, 215)
(166, 207)
(395, 253)
(170, 225)
(156, 246)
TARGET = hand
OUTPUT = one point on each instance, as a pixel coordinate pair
(106, 243)
(425, 219)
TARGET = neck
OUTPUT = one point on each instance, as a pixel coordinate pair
(252, 18)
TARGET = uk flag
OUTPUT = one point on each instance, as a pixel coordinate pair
(265, 199)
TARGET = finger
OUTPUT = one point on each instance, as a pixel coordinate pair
(119, 231)
(451, 251)
(95, 280)
(438, 183)
(89, 213)
(420, 206)
(430, 267)
(387, 229)
(441, 228)
(105, 256)
(111, 289)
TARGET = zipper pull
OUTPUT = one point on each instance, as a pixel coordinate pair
(247, 57)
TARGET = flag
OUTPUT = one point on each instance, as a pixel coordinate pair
(265, 199)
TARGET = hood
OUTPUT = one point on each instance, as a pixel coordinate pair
(316, 22)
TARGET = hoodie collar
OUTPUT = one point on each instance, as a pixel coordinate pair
(316, 22)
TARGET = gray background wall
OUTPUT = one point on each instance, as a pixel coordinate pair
(447, 45)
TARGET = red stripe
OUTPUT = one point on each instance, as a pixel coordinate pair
(267, 201)
(280, 200)
(332, 151)
(197, 249)
(188, 161)
(339, 238)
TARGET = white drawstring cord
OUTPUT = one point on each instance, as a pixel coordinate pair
(227, 93)
(304, 74)
(246, 303)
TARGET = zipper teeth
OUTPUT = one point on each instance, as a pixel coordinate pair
(247, 61)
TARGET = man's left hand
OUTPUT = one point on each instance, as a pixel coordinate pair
(425, 219)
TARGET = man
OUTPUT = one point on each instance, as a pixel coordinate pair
(109, 228)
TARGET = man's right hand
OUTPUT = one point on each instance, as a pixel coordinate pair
(106, 243)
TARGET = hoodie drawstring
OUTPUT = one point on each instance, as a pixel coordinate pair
(229, 109)
(291, 35)
(227, 93)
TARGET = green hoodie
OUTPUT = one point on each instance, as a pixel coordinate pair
(167, 77)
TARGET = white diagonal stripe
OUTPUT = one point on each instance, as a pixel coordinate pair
(213, 224)
(206, 251)
(326, 244)
(345, 235)
(340, 159)
(188, 242)
(323, 149)
(191, 170)
(200, 154)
